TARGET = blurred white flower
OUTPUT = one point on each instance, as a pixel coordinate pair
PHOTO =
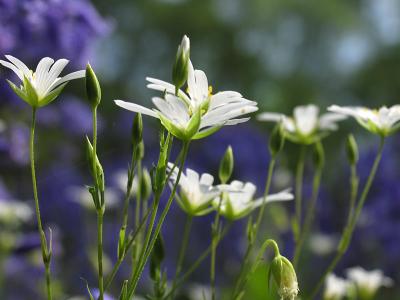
(237, 200)
(383, 121)
(336, 288)
(82, 196)
(197, 114)
(196, 192)
(13, 211)
(42, 86)
(306, 126)
(368, 282)
(322, 244)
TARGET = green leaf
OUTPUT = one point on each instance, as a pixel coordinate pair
(20, 93)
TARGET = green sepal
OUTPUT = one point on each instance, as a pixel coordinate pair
(20, 93)
(52, 95)
(205, 133)
(193, 125)
(31, 92)
(121, 243)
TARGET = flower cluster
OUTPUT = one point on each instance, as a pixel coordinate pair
(360, 284)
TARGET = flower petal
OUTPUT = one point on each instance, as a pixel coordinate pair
(136, 108)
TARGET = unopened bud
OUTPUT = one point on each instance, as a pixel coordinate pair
(277, 140)
(352, 149)
(180, 68)
(285, 277)
(137, 130)
(93, 90)
(226, 166)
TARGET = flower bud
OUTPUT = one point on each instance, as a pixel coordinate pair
(319, 155)
(226, 166)
(180, 68)
(352, 149)
(93, 90)
(277, 140)
(98, 173)
(285, 277)
(145, 185)
(137, 130)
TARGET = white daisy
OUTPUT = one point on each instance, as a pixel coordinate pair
(237, 199)
(368, 282)
(197, 114)
(306, 126)
(196, 192)
(383, 121)
(41, 87)
(336, 288)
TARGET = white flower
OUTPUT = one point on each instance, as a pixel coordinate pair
(368, 282)
(196, 192)
(336, 288)
(197, 114)
(41, 87)
(383, 121)
(237, 199)
(306, 126)
(13, 211)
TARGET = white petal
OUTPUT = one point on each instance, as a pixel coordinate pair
(13, 68)
(206, 179)
(224, 97)
(306, 118)
(284, 195)
(41, 73)
(270, 117)
(136, 108)
(19, 64)
(162, 86)
(55, 71)
(69, 77)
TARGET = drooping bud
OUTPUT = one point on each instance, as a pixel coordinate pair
(98, 172)
(277, 140)
(285, 277)
(93, 90)
(180, 68)
(226, 166)
(352, 149)
(137, 130)
(319, 155)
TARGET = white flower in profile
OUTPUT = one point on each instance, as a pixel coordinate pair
(383, 121)
(197, 114)
(366, 282)
(195, 192)
(41, 87)
(307, 125)
(336, 288)
(237, 199)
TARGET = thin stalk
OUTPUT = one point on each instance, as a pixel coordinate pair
(197, 263)
(100, 210)
(127, 248)
(147, 245)
(43, 243)
(260, 215)
(299, 190)
(309, 216)
(349, 229)
(138, 203)
(182, 252)
(214, 243)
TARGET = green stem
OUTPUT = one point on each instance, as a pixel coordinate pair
(214, 243)
(309, 217)
(299, 190)
(138, 203)
(147, 245)
(251, 243)
(349, 229)
(182, 252)
(46, 254)
(127, 248)
(100, 252)
(197, 263)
